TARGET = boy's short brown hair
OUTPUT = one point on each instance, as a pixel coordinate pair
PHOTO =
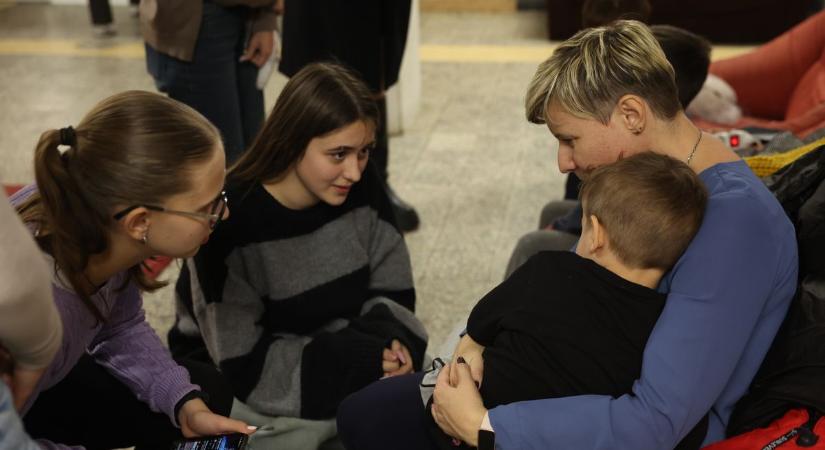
(650, 205)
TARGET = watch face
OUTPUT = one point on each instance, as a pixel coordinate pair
(486, 440)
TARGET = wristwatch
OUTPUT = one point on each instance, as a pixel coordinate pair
(486, 435)
(486, 440)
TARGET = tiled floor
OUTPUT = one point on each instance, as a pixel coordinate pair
(471, 164)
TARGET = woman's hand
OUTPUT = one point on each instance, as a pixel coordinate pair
(471, 351)
(259, 48)
(196, 419)
(396, 360)
(457, 408)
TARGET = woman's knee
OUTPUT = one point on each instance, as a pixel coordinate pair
(555, 210)
(538, 241)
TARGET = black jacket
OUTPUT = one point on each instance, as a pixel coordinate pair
(794, 369)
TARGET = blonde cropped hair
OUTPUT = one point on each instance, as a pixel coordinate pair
(588, 74)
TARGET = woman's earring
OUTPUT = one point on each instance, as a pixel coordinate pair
(145, 238)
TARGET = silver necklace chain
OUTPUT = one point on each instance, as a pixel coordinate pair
(695, 146)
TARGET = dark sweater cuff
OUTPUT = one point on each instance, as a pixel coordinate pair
(189, 396)
(335, 366)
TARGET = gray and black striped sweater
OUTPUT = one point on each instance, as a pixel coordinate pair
(296, 307)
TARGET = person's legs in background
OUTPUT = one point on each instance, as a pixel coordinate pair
(405, 214)
(215, 83)
(101, 13)
(250, 100)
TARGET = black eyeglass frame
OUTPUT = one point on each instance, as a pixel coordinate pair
(217, 206)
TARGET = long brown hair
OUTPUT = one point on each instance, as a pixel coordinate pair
(132, 148)
(320, 98)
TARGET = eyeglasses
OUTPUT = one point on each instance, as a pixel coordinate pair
(217, 208)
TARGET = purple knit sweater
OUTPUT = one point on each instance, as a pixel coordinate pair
(124, 343)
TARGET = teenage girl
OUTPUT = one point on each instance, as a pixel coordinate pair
(305, 294)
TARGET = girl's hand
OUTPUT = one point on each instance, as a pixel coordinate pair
(396, 360)
(196, 420)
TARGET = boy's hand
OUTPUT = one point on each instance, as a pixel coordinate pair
(471, 351)
(196, 420)
(396, 360)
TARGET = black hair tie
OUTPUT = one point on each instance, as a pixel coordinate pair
(68, 136)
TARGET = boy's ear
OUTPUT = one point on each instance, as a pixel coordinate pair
(136, 223)
(632, 112)
(598, 238)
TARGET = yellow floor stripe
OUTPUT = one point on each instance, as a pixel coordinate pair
(63, 47)
(484, 53)
(428, 52)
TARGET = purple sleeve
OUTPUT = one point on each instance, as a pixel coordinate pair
(134, 354)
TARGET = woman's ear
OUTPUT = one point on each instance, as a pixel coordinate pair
(632, 113)
(136, 223)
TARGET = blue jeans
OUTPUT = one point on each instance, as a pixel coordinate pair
(215, 83)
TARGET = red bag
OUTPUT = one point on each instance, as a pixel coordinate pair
(797, 429)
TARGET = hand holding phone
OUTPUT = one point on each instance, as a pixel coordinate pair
(234, 441)
(196, 419)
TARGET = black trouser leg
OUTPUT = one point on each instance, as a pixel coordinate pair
(380, 155)
(405, 214)
(386, 414)
(93, 409)
(101, 12)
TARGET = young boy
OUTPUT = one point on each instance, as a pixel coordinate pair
(568, 323)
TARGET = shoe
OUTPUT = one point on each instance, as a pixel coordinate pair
(104, 31)
(405, 214)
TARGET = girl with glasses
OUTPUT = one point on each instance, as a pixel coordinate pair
(141, 175)
(305, 294)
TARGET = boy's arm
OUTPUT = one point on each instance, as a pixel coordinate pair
(731, 289)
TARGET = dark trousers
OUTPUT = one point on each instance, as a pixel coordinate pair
(390, 414)
(93, 409)
(386, 414)
(101, 12)
(215, 83)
